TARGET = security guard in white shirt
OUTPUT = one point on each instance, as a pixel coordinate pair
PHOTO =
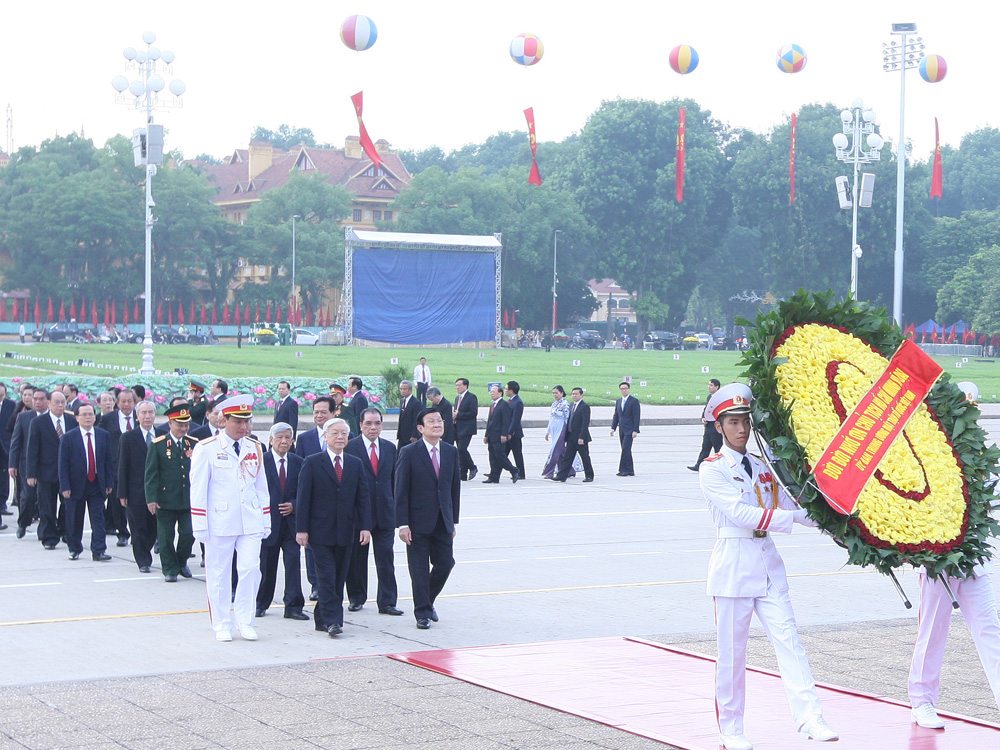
(746, 573)
(230, 512)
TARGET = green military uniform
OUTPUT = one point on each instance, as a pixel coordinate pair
(168, 484)
(344, 411)
(199, 403)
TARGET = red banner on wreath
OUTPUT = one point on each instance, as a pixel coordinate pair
(866, 435)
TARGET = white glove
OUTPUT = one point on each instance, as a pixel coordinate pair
(800, 516)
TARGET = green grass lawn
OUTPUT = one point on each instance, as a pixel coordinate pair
(668, 380)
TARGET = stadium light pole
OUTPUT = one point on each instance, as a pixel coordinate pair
(901, 56)
(555, 279)
(147, 148)
(295, 296)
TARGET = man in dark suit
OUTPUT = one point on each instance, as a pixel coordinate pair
(515, 433)
(7, 407)
(627, 418)
(577, 439)
(332, 510)
(466, 418)
(495, 437)
(131, 485)
(18, 461)
(116, 423)
(378, 457)
(409, 408)
(86, 478)
(72, 398)
(428, 489)
(358, 400)
(312, 441)
(214, 422)
(42, 467)
(281, 467)
(287, 408)
(443, 407)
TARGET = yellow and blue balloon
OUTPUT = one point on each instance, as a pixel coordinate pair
(358, 33)
(933, 68)
(791, 58)
(683, 59)
(526, 49)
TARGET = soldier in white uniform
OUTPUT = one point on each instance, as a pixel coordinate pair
(746, 573)
(977, 599)
(230, 511)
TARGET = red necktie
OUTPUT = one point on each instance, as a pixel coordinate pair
(281, 476)
(91, 461)
(434, 460)
(128, 422)
(374, 460)
(493, 406)
(338, 468)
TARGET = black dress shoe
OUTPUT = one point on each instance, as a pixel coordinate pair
(50, 545)
(693, 468)
(334, 630)
(354, 607)
(144, 569)
(170, 579)
(423, 624)
(390, 610)
(313, 596)
(515, 476)
(6, 512)
(102, 557)
(320, 627)
(3, 526)
(491, 481)
(19, 533)
(260, 613)
(122, 542)
(433, 615)
(156, 548)
(296, 614)
(186, 572)
(472, 473)
(74, 555)
(589, 479)
(558, 479)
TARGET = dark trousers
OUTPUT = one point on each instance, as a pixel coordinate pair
(498, 459)
(625, 465)
(357, 575)
(27, 507)
(430, 559)
(172, 558)
(422, 393)
(4, 482)
(465, 462)
(572, 448)
(332, 562)
(711, 442)
(92, 502)
(290, 552)
(47, 494)
(143, 525)
(513, 445)
(117, 517)
(310, 566)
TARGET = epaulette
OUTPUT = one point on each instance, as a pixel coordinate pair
(161, 437)
(192, 439)
(716, 457)
(759, 458)
(255, 439)
(208, 439)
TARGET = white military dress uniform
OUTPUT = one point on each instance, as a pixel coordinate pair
(977, 600)
(230, 511)
(746, 575)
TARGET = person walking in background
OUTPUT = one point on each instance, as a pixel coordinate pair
(711, 441)
(358, 402)
(409, 408)
(7, 408)
(466, 419)
(18, 460)
(119, 422)
(422, 377)
(44, 434)
(86, 478)
(515, 433)
(443, 407)
(286, 408)
(556, 434)
(627, 418)
(495, 437)
(131, 485)
(577, 439)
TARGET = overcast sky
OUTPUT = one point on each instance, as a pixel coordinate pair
(440, 73)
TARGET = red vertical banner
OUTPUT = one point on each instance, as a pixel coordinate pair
(534, 176)
(937, 176)
(791, 164)
(679, 165)
(366, 141)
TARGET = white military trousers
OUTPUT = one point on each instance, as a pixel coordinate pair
(222, 608)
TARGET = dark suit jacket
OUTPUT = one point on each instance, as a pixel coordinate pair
(579, 423)
(18, 457)
(379, 487)
(109, 423)
(445, 409)
(516, 412)
(72, 404)
(132, 468)
(205, 431)
(73, 462)
(288, 412)
(293, 465)
(328, 510)
(468, 415)
(408, 421)
(43, 447)
(7, 407)
(160, 429)
(309, 443)
(628, 419)
(358, 403)
(498, 424)
(421, 496)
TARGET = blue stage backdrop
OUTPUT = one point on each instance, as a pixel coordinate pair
(419, 297)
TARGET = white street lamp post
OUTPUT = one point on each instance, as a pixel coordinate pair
(858, 123)
(295, 294)
(147, 146)
(555, 279)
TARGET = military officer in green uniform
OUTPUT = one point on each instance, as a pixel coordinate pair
(199, 401)
(168, 492)
(342, 410)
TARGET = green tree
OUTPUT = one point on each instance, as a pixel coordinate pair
(972, 293)
(286, 137)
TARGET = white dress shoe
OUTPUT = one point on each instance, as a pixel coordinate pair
(247, 633)
(926, 716)
(223, 636)
(735, 742)
(817, 729)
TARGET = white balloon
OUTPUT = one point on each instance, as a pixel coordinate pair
(129, 53)
(140, 56)
(156, 83)
(177, 87)
(168, 57)
(149, 37)
(137, 88)
(119, 83)
(154, 53)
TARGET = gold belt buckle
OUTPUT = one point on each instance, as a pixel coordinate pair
(759, 534)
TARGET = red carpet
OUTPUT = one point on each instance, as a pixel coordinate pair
(654, 691)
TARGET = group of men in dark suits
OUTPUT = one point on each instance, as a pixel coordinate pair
(502, 424)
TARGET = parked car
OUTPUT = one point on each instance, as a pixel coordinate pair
(663, 340)
(65, 330)
(578, 338)
(306, 338)
(170, 335)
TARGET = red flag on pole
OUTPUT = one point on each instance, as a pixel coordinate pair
(83, 309)
(3, 310)
(246, 313)
(114, 313)
(267, 314)
(791, 164)
(107, 311)
(191, 313)
(319, 319)
(135, 312)
(48, 314)
(204, 315)
(937, 176)
(125, 320)
(679, 162)
(93, 311)
(215, 315)
(225, 315)
(38, 312)
(366, 141)
(72, 309)
(25, 309)
(62, 309)
(236, 315)
(256, 312)
(180, 313)
(534, 176)
(16, 308)
(328, 316)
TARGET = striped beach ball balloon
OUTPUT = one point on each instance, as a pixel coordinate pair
(791, 58)
(358, 33)
(683, 59)
(526, 49)
(933, 68)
